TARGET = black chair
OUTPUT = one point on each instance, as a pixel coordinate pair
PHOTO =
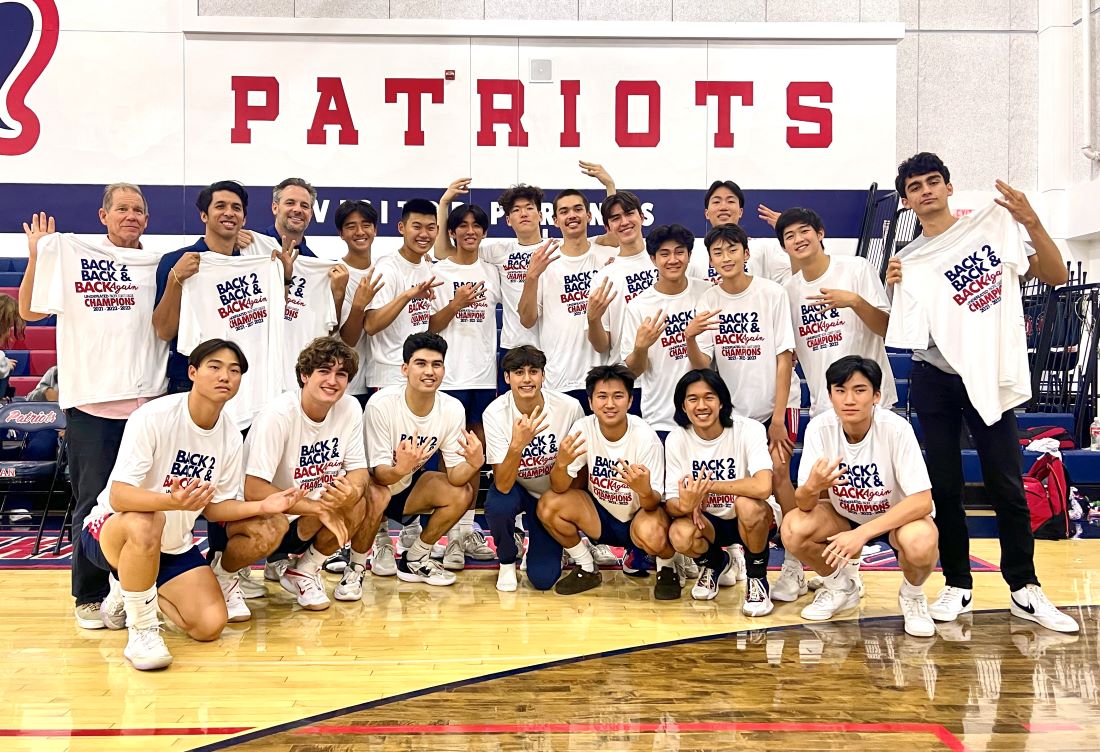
(19, 421)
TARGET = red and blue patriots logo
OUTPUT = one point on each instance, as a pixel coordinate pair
(28, 38)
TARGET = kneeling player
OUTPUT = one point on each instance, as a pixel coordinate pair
(179, 457)
(620, 453)
(862, 477)
(311, 440)
(718, 488)
(405, 425)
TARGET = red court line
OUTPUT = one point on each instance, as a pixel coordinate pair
(199, 731)
(950, 740)
(1048, 727)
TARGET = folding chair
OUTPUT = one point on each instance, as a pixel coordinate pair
(18, 422)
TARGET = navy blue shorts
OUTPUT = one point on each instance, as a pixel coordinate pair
(613, 531)
(291, 543)
(726, 532)
(395, 510)
(474, 402)
(883, 539)
(171, 565)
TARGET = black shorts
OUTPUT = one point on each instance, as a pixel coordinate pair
(292, 543)
(395, 510)
(726, 532)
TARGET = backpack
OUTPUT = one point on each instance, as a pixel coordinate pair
(1046, 487)
(1061, 435)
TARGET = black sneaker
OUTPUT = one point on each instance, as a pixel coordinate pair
(338, 562)
(577, 581)
(668, 585)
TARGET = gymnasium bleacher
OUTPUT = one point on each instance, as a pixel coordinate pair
(36, 353)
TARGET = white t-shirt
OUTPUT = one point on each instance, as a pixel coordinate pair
(241, 299)
(388, 421)
(563, 317)
(741, 451)
(881, 470)
(288, 450)
(630, 276)
(357, 385)
(754, 329)
(161, 443)
(310, 310)
(398, 274)
(824, 337)
(103, 296)
(668, 359)
(560, 412)
(472, 334)
(639, 445)
(962, 289)
(511, 260)
(767, 259)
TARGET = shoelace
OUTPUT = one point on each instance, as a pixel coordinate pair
(915, 607)
(952, 595)
(756, 591)
(824, 597)
(475, 539)
(791, 569)
(707, 578)
(149, 638)
(352, 573)
(1039, 598)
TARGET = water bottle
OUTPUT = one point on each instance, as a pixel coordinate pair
(1094, 434)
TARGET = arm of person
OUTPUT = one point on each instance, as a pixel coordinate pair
(127, 498)
(352, 328)
(1047, 263)
(560, 479)
(909, 509)
(439, 320)
(759, 486)
(377, 319)
(876, 319)
(444, 248)
(166, 316)
(39, 226)
(463, 455)
(784, 364)
(598, 336)
(387, 475)
(529, 302)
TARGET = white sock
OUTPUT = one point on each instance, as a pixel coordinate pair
(359, 558)
(311, 560)
(418, 551)
(839, 579)
(661, 563)
(220, 571)
(141, 607)
(466, 523)
(788, 556)
(582, 556)
(909, 590)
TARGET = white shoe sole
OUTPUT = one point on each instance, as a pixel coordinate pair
(1019, 613)
(238, 618)
(150, 664)
(753, 612)
(348, 597)
(784, 598)
(90, 623)
(948, 618)
(410, 577)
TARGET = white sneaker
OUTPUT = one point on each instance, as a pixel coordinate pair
(507, 579)
(426, 570)
(918, 622)
(439, 550)
(408, 536)
(757, 602)
(730, 574)
(89, 615)
(685, 567)
(351, 584)
(145, 649)
(602, 554)
(234, 601)
(951, 602)
(517, 536)
(307, 587)
(791, 584)
(383, 563)
(830, 601)
(1031, 603)
(250, 588)
(454, 555)
(273, 570)
(817, 581)
(706, 587)
(476, 547)
(112, 612)
(737, 571)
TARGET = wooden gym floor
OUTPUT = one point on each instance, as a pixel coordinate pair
(412, 667)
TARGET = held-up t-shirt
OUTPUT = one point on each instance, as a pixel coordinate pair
(511, 260)
(563, 317)
(103, 297)
(162, 443)
(823, 337)
(472, 333)
(668, 359)
(879, 471)
(310, 310)
(241, 299)
(754, 328)
(398, 275)
(388, 421)
(639, 445)
(560, 412)
(629, 277)
(739, 452)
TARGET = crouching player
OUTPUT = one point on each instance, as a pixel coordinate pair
(862, 477)
(718, 489)
(179, 458)
(603, 484)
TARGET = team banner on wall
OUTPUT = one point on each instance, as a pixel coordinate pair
(387, 118)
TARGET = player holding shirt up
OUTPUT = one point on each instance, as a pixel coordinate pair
(310, 440)
(523, 431)
(602, 484)
(838, 307)
(179, 457)
(862, 477)
(656, 323)
(718, 482)
(403, 305)
(405, 425)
